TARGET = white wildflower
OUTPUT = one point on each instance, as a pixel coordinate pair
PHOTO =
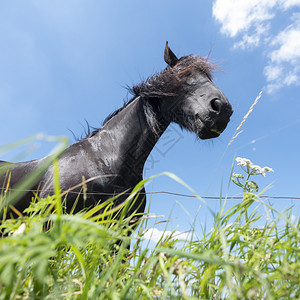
(237, 175)
(244, 162)
(268, 169)
(256, 170)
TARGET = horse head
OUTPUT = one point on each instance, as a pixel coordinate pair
(194, 102)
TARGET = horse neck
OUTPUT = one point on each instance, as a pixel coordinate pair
(132, 137)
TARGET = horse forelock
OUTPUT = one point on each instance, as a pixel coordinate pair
(193, 63)
(168, 82)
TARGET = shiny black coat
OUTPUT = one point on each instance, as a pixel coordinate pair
(112, 158)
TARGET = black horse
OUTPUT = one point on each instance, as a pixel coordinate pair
(113, 157)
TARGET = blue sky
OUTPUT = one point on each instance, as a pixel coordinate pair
(63, 62)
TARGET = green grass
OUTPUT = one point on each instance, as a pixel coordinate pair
(244, 255)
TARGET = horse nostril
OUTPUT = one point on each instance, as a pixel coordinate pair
(216, 105)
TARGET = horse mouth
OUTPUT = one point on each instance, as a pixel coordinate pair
(207, 131)
(217, 131)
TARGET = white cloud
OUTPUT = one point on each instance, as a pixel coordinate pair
(292, 79)
(253, 40)
(250, 23)
(290, 3)
(238, 16)
(272, 72)
(284, 58)
(155, 235)
(289, 46)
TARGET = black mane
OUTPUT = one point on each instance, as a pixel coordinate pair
(165, 84)
(168, 82)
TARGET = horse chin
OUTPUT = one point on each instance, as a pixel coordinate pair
(205, 133)
(202, 130)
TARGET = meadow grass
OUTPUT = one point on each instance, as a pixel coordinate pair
(80, 256)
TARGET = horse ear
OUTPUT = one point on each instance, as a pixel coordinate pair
(169, 56)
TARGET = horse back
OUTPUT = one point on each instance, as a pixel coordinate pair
(11, 174)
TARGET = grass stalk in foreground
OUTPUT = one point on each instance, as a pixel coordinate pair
(244, 255)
